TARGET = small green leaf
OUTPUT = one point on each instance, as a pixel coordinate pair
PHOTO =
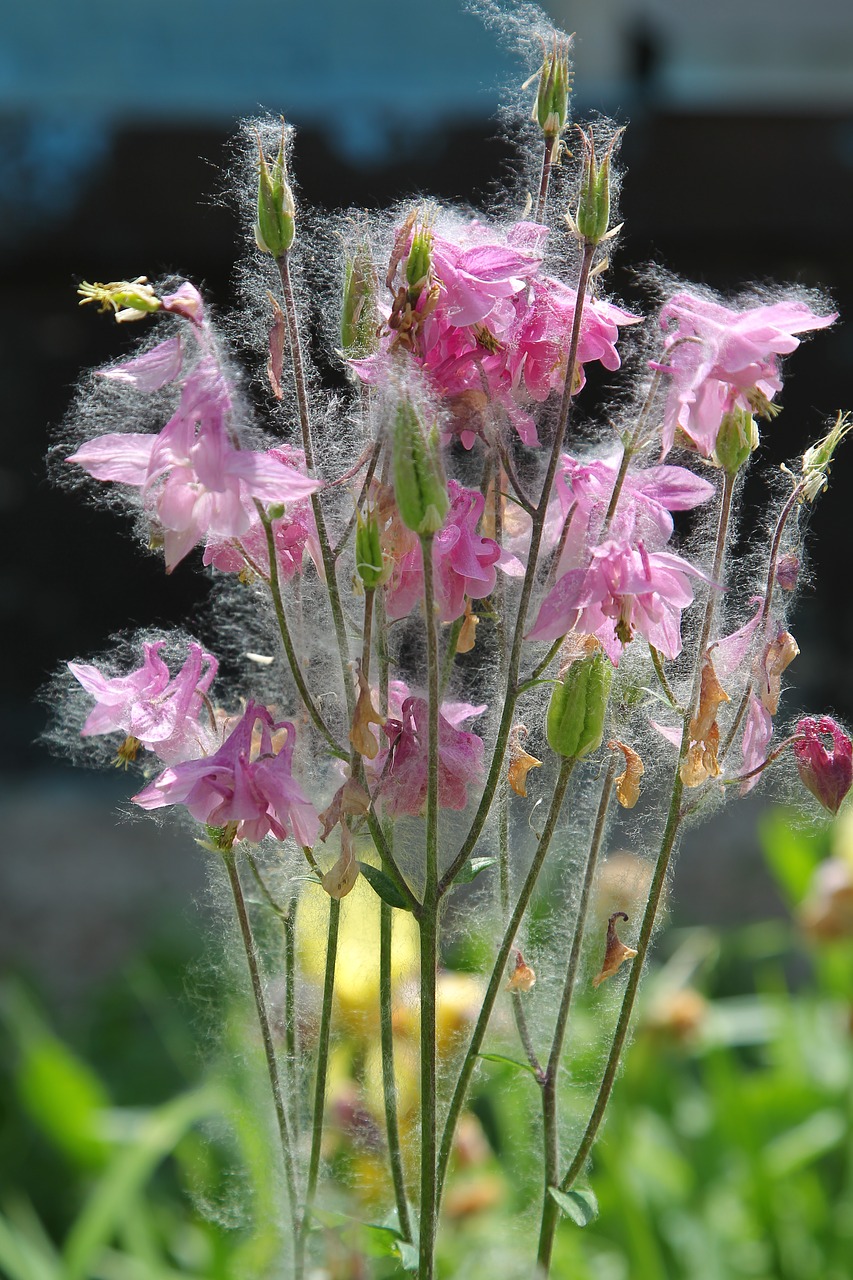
(472, 869)
(507, 1062)
(409, 1257)
(580, 1206)
(384, 886)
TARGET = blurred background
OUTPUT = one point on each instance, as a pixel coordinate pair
(115, 123)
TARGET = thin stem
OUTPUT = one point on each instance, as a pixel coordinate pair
(429, 940)
(550, 1210)
(628, 452)
(470, 1061)
(321, 1076)
(542, 666)
(287, 639)
(351, 523)
(292, 322)
(537, 528)
(389, 1080)
(229, 859)
(551, 145)
(450, 654)
(657, 663)
(668, 839)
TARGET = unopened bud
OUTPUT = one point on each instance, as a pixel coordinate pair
(827, 772)
(359, 317)
(551, 108)
(593, 216)
(275, 225)
(129, 299)
(419, 261)
(737, 440)
(419, 484)
(368, 553)
(575, 723)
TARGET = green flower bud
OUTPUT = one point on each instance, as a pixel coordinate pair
(419, 483)
(593, 216)
(419, 261)
(275, 225)
(359, 318)
(575, 723)
(737, 440)
(551, 108)
(368, 552)
(817, 459)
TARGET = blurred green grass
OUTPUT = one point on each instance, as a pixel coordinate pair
(126, 1154)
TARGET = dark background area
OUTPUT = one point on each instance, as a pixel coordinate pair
(719, 188)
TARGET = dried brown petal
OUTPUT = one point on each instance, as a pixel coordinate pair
(523, 978)
(777, 656)
(520, 762)
(576, 646)
(349, 799)
(615, 951)
(468, 632)
(276, 356)
(340, 879)
(365, 714)
(701, 761)
(628, 782)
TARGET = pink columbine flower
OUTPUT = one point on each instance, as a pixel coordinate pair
(403, 789)
(161, 711)
(625, 589)
(757, 734)
(193, 479)
(247, 781)
(827, 771)
(720, 359)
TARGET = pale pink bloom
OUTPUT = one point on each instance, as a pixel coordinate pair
(294, 534)
(186, 301)
(403, 788)
(757, 733)
(150, 371)
(624, 589)
(719, 359)
(160, 710)
(246, 781)
(647, 499)
(731, 651)
(193, 480)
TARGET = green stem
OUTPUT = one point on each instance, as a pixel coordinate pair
(537, 528)
(470, 1061)
(545, 177)
(292, 322)
(321, 1077)
(657, 663)
(668, 840)
(229, 859)
(429, 940)
(550, 1137)
(287, 639)
(389, 1080)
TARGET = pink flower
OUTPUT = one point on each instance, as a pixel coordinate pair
(403, 788)
(464, 563)
(624, 589)
(247, 781)
(149, 704)
(193, 479)
(827, 771)
(719, 359)
(757, 733)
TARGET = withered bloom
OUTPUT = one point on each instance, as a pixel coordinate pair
(615, 951)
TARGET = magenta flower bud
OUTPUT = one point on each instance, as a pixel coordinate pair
(788, 571)
(826, 771)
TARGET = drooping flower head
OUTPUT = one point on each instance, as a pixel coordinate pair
(720, 359)
(826, 769)
(248, 782)
(164, 713)
(403, 784)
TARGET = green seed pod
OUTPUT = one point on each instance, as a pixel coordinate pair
(419, 483)
(368, 552)
(737, 440)
(419, 261)
(275, 225)
(593, 216)
(359, 317)
(551, 108)
(575, 723)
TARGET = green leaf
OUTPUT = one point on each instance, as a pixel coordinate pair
(580, 1206)
(384, 886)
(507, 1062)
(23, 1258)
(373, 1238)
(409, 1257)
(115, 1192)
(472, 869)
(792, 855)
